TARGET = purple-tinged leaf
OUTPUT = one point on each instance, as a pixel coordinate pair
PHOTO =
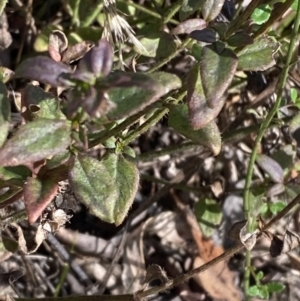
(258, 56)
(271, 167)
(35, 141)
(98, 60)
(200, 114)
(207, 35)
(133, 92)
(4, 114)
(275, 189)
(42, 69)
(211, 9)
(208, 136)
(188, 26)
(217, 70)
(37, 196)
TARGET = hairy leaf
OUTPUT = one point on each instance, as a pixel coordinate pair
(211, 8)
(258, 56)
(36, 141)
(133, 92)
(200, 114)
(41, 104)
(217, 70)
(38, 194)
(106, 187)
(208, 136)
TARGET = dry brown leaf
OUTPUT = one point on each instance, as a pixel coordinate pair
(280, 246)
(218, 281)
(40, 236)
(134, 270)
(248, 239)
(10, 277)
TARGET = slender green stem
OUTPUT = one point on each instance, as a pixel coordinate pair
(159, 114)
(260, 135)
(103, 136)
(146, 10)
(75, 16)
(62, 278)
(172, 11)
(170, 57)
(90, 18)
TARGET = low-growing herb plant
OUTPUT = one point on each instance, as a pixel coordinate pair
(79, 97)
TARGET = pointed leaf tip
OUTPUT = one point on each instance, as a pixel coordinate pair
(106, 187)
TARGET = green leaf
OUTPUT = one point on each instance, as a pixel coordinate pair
(294, 94)
(208, 136)
(211, 9)
(240, 39)
(258, 56)
(132, 92)
(200, 114)
(277, 207)
(217, 68)
(42, 104)
(38, 193)
(188, 8)
(264, 209)
(36, 141)
(4, 114)
(107, 187)
(14, 175)
(261, 14)
(42, 41)
(258, 291)
(5, 74)
(9, 244)
(259, 275)
(157, 45)
(275, 287)
(295, 5)
(208, 214)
